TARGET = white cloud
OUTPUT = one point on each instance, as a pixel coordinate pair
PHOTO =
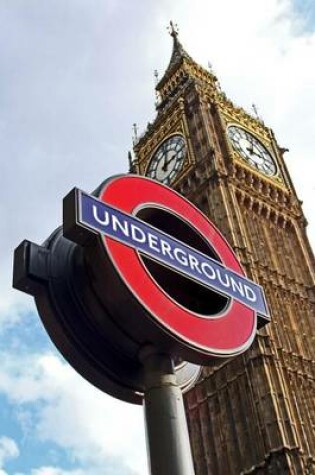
(73, 89)
(73, 83)
(49, 470)
(262, 54)
(62, 408)
(56, 471)
(13, 306)
(8, 450)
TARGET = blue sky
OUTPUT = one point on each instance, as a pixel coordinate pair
(75, 75)
(306, 10)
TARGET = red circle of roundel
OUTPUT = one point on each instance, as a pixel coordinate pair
(227, 334)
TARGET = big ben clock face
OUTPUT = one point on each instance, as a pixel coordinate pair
(252, 150)
(168, 160)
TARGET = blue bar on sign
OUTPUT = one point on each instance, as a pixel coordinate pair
(169, 251)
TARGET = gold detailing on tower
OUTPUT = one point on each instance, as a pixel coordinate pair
(255, 414)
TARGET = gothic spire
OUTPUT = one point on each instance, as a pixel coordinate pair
(181, 71)
(178, 52)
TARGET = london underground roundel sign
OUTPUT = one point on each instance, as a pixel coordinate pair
(174, 263)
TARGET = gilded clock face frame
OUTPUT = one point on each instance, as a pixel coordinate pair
(168, 160)
(252, 151)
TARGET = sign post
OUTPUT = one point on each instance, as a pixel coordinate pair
(166, 425)
(137, 290)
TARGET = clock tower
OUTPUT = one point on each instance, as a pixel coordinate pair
(254, 414)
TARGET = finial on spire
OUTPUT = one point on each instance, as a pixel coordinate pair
(156, 75)
(157, 94)
(255, 110)
(173, 29)
(135, 133)
(256, 113)
(130, 160)
(135, 130)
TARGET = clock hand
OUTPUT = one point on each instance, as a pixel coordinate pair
(255, 154)
(251, 144)
(254, 151)
(164, 166)
(167, 162)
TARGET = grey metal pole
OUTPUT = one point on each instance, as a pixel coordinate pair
(166, 426)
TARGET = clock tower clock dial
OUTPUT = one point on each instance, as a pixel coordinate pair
(167, 161)
(252, 150)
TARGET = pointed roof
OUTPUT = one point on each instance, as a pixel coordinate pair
(178, 54)
(178, 50)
